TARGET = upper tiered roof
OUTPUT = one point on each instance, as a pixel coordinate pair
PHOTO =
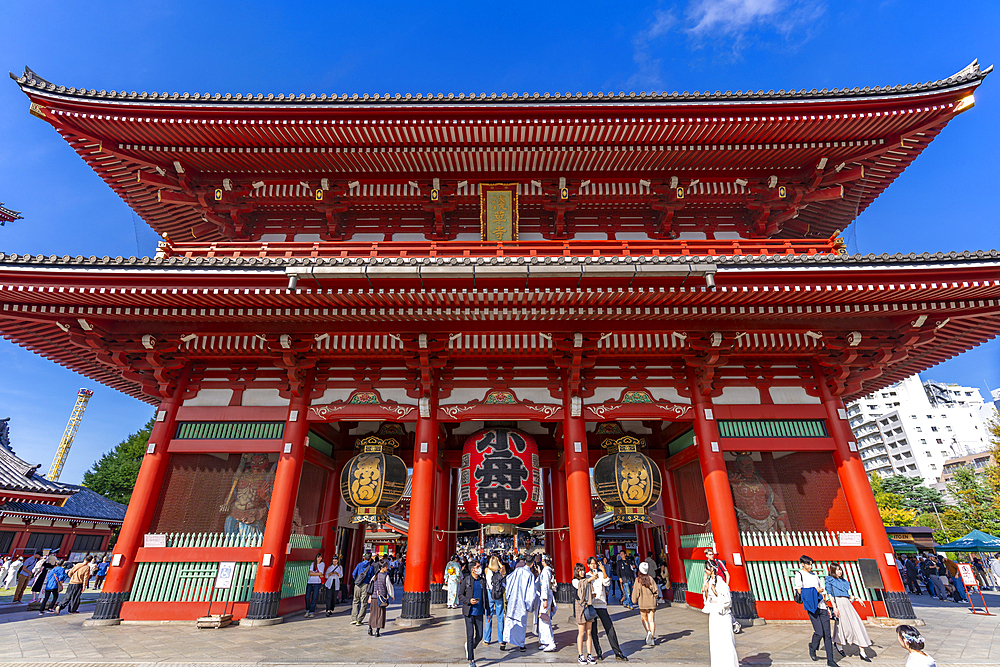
(790, 164)
(7, 215)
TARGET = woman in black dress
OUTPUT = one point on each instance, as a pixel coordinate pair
(382, 592)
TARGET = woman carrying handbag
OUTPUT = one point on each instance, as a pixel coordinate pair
(584, 611)
(382, 592)
(644, 595)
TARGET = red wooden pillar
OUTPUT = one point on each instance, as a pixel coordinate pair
(441, 540)
(547, 515)
(643, 543)
(861, 501)
(266, 594)
(581, 512)
(416, 585)
(453, 512)
(21, 537)
(139, 515)
(725, 529)
(329, 514)
(672, 509)
(561, 553)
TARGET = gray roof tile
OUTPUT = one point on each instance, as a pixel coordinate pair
(29, 79)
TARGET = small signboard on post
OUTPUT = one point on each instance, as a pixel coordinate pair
(223, 581)
(972, 584)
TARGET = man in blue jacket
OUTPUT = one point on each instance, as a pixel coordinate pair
(55, 578)
(362, 578)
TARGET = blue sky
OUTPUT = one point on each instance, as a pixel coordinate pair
(947, 200)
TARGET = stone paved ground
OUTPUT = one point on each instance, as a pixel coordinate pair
(955, 637)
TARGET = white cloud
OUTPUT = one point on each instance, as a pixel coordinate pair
(648, 67)
(735, 17)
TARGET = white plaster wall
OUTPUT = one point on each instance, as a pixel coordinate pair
(211, 397)
(738, 396)
(463, 395)
(668, 394)
(263, 397)
(270, 238)
(535, 395)
(604, 394)
(307, 238)
(332, 396)
(792, 396)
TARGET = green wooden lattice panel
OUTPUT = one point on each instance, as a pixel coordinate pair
(694, 570)
(772, 580)
(230, 430)
(190, 582)
(294, 581)
(772, 428)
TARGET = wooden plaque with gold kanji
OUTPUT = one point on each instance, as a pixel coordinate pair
(498, 211)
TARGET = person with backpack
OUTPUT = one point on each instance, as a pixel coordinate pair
(472, 596)
(809, 592)
(361, 576)
(494, 601)
(626, 578)
(546, 604)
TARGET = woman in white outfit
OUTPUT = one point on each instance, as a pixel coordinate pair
(718, 603)
(12, 571)
(847, 626)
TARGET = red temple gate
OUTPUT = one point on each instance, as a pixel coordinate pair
(331, 267)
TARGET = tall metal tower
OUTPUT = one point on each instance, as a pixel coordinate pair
(72, 426)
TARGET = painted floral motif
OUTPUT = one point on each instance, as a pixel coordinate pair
(609, 428)
(364, 397)
(637, 396)
(500, 398)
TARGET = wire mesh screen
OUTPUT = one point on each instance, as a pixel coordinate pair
(691, 496)
(214, 493)
(783, 491)
(312, 484)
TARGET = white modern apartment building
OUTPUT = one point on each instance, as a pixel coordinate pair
(913, 427)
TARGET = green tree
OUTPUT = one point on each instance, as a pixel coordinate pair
(114, 475)
(975, 501)
(950, 519)
(890, 505)
(912, 494)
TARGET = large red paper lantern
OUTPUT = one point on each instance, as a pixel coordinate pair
(500, 477)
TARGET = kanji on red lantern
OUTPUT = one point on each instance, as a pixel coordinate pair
(500, 476)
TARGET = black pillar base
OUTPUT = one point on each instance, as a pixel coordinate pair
(744, 605)
(439, 594)
(565, 593)
(416, 605)
(263, 605)
(109, 606)
(898, 605)
(679, 589)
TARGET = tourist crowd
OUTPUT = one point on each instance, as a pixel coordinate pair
(47, 576)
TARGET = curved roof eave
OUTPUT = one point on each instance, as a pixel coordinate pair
(32, 83)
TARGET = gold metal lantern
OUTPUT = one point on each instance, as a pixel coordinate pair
(627, 480)
(374, 480)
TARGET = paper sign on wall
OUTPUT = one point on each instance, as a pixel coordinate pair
(154, 540)
(850, 539)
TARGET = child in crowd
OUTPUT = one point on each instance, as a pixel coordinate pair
(911, 639)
